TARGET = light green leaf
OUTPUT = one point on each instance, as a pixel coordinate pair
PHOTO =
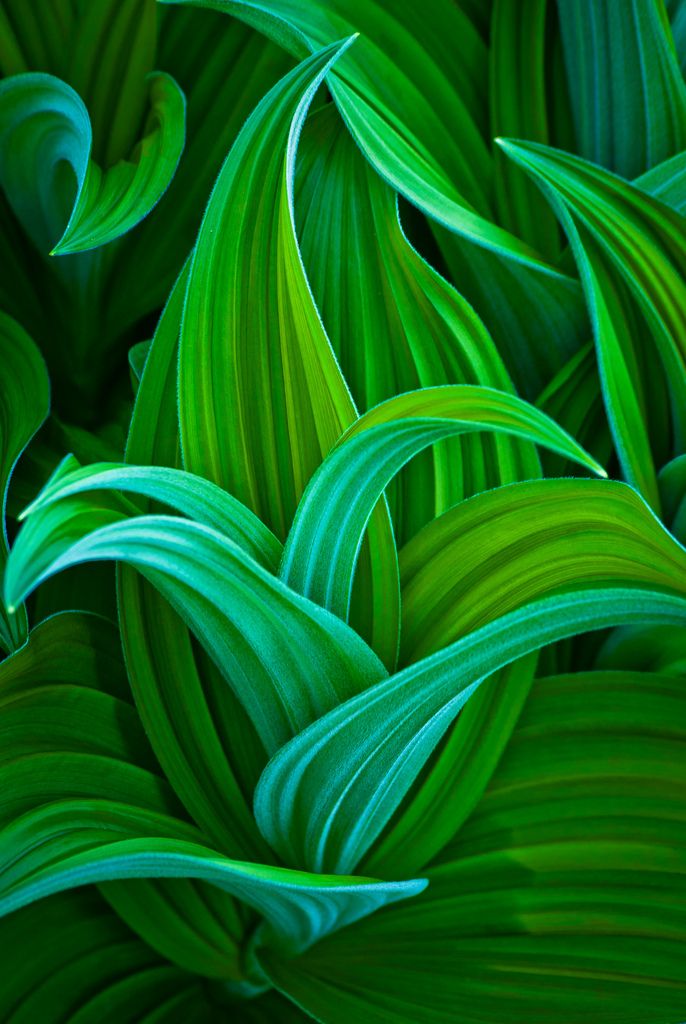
(418, 113)
(394, 323)
(190, 495)
(327, 795)
(224, 69)
(202, 736)
(261, 396)
(562, 896)
(287, 660)
(299, 907)
(322, 548)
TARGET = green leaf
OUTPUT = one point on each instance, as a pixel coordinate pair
(394, 323)
(45, 130)
(262, 435)
(407, 100)
(299, 907)
(224, 69)
(667, 182)
(631, 251)
(327, 795)
(24, 403)
(85, 963)
(574, 399)
(251, 624)
(622, 71)
(561, 896)
(112, 53)
(202, 736)
(190, 495)
(344, 491)
(519, 108)
(79, 805)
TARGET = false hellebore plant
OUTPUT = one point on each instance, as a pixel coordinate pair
(344, 622)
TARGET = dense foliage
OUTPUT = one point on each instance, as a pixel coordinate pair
(343, 475)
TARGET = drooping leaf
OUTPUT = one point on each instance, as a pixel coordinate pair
(561, 896)
(631, 254)
(398, 90)
(224, 69)
(193, 496)
(65, 201)
(326, 796)
(321, 552)
(286, 659)
(394, 323)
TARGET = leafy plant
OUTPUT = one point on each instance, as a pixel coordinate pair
(343, 620)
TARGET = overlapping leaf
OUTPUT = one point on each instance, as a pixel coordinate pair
(327, 795)
(343, 493)
(415, 331)
(562, 895)
(630, 249)
(45, 128)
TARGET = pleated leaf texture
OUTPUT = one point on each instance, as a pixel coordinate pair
(343, 498)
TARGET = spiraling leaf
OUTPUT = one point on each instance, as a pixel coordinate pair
(66, 202)
(407, 99)
(299, 907)
(563, 890)
(394, 323)
(286, 659)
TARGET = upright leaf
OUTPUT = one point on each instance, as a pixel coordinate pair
(261, 397)
(628, 94)
(24, 401)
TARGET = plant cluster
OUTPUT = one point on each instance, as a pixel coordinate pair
(343, 477)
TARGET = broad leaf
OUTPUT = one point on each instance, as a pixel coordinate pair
(344, 491)
(561, 896)
(622, 70)
(261, 435)
(327, 795)
(394, 323)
